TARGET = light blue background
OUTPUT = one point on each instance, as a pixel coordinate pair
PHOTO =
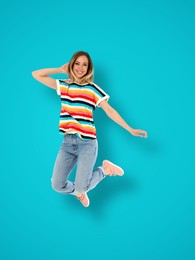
(143, 53)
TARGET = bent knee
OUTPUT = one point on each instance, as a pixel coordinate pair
(59, 187)
(56, 186)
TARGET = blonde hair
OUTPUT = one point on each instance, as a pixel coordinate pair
(88, 77)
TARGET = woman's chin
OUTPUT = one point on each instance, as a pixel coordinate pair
(79, 76)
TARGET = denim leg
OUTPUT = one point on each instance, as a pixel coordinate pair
(65, 162)
(86, 179)
(97, 176)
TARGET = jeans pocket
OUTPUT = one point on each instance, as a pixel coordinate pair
(65, 140)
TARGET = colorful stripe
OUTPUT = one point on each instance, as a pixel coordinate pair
(77, 105)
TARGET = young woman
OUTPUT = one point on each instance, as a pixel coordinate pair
(79, 97)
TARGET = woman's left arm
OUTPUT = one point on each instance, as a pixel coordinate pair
(114, 115)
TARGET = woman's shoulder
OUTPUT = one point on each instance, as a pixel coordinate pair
(66, 81)
(93, 84)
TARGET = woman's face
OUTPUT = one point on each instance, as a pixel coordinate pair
(80, 66)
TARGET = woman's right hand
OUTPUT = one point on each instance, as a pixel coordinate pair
(138, 132)
(64, 68)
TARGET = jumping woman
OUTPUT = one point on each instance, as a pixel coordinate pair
(79, 98)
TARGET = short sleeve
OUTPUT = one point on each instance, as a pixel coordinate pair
(61, 86)
(58, 87)
(99, 95)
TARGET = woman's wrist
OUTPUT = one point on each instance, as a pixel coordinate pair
(130, 129)
(56, 71)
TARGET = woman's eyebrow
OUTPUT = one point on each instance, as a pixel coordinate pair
(85, 62)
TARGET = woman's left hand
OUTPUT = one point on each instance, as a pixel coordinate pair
(140, 133)
(64, 68)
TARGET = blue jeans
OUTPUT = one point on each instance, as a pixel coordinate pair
(83, 153)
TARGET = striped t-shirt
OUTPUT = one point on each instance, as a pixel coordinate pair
(77, 105)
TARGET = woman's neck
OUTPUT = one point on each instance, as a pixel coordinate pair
(80, 82)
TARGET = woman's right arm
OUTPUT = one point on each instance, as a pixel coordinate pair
(43, 75)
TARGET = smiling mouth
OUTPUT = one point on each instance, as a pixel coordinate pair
(79, 73)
